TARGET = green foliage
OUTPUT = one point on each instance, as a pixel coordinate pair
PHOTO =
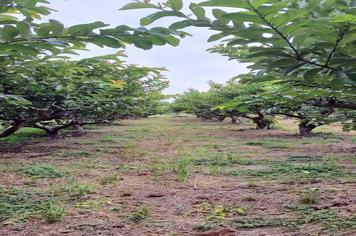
(42, 88)
(308, 197)
(181, 169)
(17, 205)
(139, 214)
(112, 179)
(42, 171)
(74, 93)
(53, 212)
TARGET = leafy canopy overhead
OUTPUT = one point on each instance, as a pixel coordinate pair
(22, 33)
(314, 40)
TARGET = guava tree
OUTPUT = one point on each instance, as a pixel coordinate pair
(307, 44)
(272, 97)
(37, 89)
(201, 104)
(56, 94)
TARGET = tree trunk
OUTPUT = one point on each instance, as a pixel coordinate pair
(233, 120)
(305, 129)
(12, 129)
(221, 118)
(260, 121)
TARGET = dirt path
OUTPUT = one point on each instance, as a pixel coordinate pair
(180, 176)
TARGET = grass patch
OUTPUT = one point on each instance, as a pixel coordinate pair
(110, 179)
(269, 143)
(283, 170)
(77, 154)
(53, 212)
(17, 205)
(107, 139)
(181, 169)
(309, 197)
(42, 171)
(139, 215)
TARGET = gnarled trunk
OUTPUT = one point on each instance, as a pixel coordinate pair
(261, 123)
(305, 128)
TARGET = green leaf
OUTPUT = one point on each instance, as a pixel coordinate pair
(181, 24)
(57, 27)
(138, 5)
(345, 18)
(226, 3)
(158, 15)
(107, 41)
(218, 14)
(176, 5)
(310, 75)
(198, 11)
(24, 29)
(243, 17)
(85, 29)
(9, 32)
(258, 3)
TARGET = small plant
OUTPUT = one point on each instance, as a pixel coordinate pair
(139, 215)
(42, 171)
(251, 184)
(107, 139)
(77, 154)
(75, 189)
(110, 179)
(309, 197)
(17, 205)
(181, 169)
(203, 227)
(53, 212)
(217, 213)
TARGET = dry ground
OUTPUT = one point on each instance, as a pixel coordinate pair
(173, 175)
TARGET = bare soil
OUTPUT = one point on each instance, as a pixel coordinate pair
(191, 178)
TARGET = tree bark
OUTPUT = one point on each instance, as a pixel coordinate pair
(233, 120)
(305, 129)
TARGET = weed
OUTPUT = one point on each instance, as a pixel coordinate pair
(218, 213)
(107, 139)
(204, 227)
(139, 214)
(77, 154)
(284, 170)
(42, 171)
(53, 212)
(74, 189)
(251, 184)
(309, 197)
(269, 143)
(257, 222)
(181, 169)
(304, 158)
(110, 179)
(93, 204)
(328, 219)
(17, 205)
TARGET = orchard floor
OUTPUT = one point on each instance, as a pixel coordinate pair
(177, 175)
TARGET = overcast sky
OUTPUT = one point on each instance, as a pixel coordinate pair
(189, 65)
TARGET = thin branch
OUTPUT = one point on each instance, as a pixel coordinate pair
(342, 34)
(297, 54)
